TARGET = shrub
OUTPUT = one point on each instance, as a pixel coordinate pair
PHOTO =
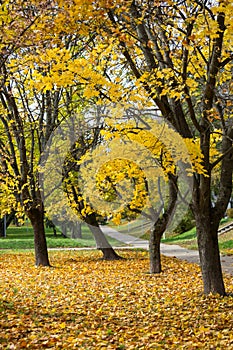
(186, 223)
(230, 212)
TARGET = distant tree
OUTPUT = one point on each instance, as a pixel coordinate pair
(84, 144)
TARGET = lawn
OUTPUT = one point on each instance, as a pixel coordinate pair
(22, 238)
(88, 304)
(188, 240)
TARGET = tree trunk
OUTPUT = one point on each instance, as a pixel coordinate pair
(36, 216)
(76, 230)
(2, 227)
(207, 237)
(101, 241)
(154, 248)
(208, 217)
(9, 218)
(161, 225)
(79, 230)
(110, 254)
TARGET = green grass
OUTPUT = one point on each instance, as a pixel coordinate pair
(189, 235)
(188, 239)
(19, 238)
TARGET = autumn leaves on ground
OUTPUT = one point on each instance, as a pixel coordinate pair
(83, 302)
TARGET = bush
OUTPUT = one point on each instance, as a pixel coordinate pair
(230, 213)
(186, 223)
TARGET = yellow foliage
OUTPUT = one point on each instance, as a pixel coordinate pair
(196, 156)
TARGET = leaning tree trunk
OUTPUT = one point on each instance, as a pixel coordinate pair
(207, 237)
(36, 216)
(101, 241)
(161, 225)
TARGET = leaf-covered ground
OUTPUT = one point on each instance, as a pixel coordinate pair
(85, 303)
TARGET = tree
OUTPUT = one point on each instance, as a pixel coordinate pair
(160, 153)
(60, 177)
(27, 116)
(181, 55)
(175, 55)
(71, 169)
(35, 50)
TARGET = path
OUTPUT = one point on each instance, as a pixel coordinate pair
(166, 249)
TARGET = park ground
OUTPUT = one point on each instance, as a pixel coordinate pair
(82, 302)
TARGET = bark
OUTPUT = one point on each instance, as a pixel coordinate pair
(36, 216)
(101, 241)
(155, 256)
(76, 230)
(207, 236)
(208, 217)
(110, 254)
(2, 227)
(50, 224)
(54, 231)
(225, 188)
(207, 223)
(161, 225)
(9, 218)
(64, 229)
(79, 230)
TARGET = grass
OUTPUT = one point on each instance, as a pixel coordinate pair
(188, 239)
(19, 238)
(226, 242)
(184, 237)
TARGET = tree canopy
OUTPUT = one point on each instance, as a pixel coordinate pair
(173, 56)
